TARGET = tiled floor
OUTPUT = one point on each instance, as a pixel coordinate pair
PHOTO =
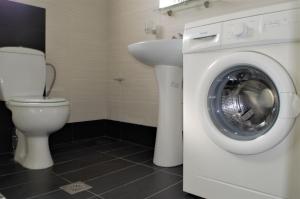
(114, 169)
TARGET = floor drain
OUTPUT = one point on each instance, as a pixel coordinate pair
(75, 188)
(2, 196)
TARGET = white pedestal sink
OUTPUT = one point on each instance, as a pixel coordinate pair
(166, 57)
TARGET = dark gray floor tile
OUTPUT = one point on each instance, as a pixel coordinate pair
(105, 183)
(74, 146)
(105, 140)
(6, 159)
(140, 157)
(174, 192)
(76, 164)
(175, 170)
(112, 146)
(44, 185)
(144, 187)
(97, 170)
(59, 194)
(70, 155)
(24, 177)
(126, 151)
(95, 141)
(64, 147)
(151, 164)
(178, 170)
(10, 169)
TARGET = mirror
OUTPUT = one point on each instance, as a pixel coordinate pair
(169, 3)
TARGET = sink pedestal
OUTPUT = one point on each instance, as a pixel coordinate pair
(168, 145)
(166, 57)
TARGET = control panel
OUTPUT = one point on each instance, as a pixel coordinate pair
(281, 26)
(241, 30)
(276, 27)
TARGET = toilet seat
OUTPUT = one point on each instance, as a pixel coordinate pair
(37, 101)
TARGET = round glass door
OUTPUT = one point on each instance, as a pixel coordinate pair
(243, 103)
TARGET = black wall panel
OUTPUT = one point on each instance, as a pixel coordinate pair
(20, 25)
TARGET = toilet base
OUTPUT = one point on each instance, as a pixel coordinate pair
(21, 147)
(33, 152)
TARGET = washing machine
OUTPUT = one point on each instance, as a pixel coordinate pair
(241, 103)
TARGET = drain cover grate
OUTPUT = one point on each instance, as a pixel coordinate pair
(75, 188)
(2, 196)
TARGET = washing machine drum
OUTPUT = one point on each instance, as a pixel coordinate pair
(247, 103)
(243, 103)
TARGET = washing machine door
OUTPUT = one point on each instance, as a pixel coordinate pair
(250, 102)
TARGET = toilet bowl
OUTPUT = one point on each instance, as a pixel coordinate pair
(23, 81)
(35, 118)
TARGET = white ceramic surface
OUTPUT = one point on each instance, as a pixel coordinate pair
(158, 52)
(166, 56)
(22, 72)
(23, 75)
(34, 123)
(217, 165)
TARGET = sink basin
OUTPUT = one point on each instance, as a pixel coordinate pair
(158, 52)
(166, 57)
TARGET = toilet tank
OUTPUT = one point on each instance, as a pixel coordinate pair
(22, 72)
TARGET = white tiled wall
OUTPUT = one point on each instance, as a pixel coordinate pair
(87, 42)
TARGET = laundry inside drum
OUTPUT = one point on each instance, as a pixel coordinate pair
(243, 103)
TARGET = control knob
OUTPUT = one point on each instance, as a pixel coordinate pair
(240, 30)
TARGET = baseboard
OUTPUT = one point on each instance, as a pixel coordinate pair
(140, 134)
(78, 130)
(71, 132)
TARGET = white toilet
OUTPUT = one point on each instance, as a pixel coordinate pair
(22, 82)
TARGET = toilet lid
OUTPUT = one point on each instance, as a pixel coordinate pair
(38, 99)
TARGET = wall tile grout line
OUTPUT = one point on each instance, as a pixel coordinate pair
(164, 189)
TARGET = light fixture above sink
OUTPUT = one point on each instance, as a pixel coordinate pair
(166, 57)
